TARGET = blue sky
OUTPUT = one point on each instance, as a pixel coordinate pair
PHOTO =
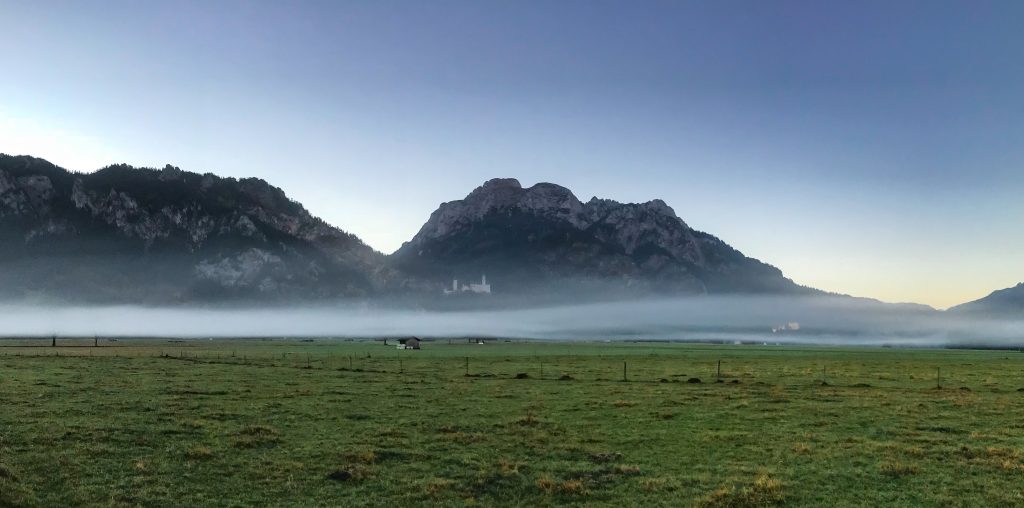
(869, 148)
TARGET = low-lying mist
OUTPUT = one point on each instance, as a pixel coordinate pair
(819, 320)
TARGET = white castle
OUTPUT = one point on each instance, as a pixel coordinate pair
(482, 287)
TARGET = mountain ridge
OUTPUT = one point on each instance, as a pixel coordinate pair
(646, 246)
(167, 235)
(1001, 302)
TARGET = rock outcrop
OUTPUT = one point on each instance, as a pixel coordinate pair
(543, 238)
(131, 234)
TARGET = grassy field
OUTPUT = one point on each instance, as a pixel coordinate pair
(340, 423)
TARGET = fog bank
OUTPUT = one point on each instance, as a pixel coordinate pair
(822, 320)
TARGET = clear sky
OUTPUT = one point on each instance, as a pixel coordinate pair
(869, 148)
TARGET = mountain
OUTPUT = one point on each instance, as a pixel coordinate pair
(125, 234)
(542, 240)
(1004, 302)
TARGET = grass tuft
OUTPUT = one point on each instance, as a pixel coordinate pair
(765, 491)
(897, 469)
(254, 436)
(199, 452)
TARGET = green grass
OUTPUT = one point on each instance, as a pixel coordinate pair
(333, 423)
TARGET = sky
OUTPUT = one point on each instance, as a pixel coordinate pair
(866, 148)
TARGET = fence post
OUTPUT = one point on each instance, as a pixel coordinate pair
(938, 377)
(623, 371)
(719, 373)
(467, 365)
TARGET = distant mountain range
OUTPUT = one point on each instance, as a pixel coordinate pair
(125, 234)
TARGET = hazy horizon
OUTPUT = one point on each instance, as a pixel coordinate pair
(870, 149)
(796, 320)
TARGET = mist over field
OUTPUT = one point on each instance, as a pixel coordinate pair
(804, 320)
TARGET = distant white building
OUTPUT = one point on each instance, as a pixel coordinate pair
(482, 288)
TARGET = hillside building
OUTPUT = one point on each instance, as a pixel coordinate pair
(482, 288)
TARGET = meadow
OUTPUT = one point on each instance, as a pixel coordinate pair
(326, 422)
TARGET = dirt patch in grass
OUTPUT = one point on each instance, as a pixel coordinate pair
(940, 429)
(694, 380)
(605, 457)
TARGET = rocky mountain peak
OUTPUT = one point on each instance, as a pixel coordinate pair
(544, 234)
(496, 185)
(660, 207)
(124, 229)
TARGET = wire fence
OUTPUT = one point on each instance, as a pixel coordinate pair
(995, 371)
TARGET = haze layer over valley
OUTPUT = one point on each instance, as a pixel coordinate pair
(80, 252)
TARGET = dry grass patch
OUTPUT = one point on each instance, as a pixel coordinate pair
(509, 468)
(897, 469)
(362, 457)
(626, 469)
(530, 420)
(765, 491)
(252, 436)
(624, 403)
(998, 452)
(199, 452)
(657, 485)
(437, 486)
(571, 488)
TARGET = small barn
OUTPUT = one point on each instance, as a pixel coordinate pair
(410, 343)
